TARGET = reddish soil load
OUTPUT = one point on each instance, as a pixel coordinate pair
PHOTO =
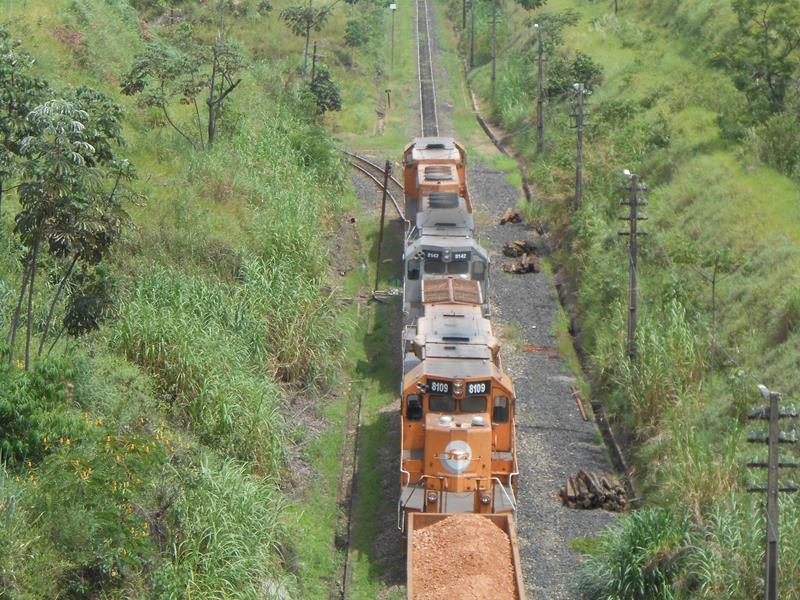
(464, 556)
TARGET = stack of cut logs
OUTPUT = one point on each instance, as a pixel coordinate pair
(511, 215)
(587, 490)
(528, 262)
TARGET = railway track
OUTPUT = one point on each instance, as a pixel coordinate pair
(376, 174)
(429, 123)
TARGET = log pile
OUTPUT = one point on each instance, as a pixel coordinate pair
(528, 263)
(518, 248)
(588, 490)
(511, 215)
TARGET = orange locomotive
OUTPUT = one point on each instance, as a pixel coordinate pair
(434, 164)
(458, 452)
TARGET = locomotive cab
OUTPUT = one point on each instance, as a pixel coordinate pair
(457, 438)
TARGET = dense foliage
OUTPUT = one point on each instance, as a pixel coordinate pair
(146, 376)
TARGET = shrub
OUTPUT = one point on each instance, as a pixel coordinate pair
(638, 557)
(34, 409)
(777, 143)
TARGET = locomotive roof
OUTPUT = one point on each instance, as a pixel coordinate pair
(455, 331)
(445, 214)
(434, 148)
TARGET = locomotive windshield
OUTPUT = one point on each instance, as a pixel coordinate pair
(448, 404)
(437, 267)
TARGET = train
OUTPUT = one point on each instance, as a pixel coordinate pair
(440, 242)
(458, 439)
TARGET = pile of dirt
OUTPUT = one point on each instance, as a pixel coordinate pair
(464, 556)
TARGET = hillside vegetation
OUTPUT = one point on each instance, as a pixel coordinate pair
(183, 288)
(689, 96)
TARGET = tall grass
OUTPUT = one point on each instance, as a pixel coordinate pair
(229, 539)
(638, 558)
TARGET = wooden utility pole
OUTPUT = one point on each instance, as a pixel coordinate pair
(472, 34)
(314, 64)
(494, 47)
(540, 97)
(774, 438)
(578, 114)
(633, 202)
(393, 9)
(387, 171)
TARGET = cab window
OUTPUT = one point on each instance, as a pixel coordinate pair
(413, 407)
(441, 404)
(434, 267)
(413, 270)
(500, 409)
(473, 404)
(458, 268)
(478, 270)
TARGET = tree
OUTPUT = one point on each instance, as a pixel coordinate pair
(226, 61)
(163, 74)
(19, 93)
(66, 206)
(356, 33)
(325, 91)
(531, 4)
(301, 19)
(765, 51)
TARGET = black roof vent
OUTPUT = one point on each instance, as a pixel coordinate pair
(443, 200)
(435, 146)
(438, 173)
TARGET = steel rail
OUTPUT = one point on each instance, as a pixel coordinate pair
(380, 187)
(430, 68)
(419, 72)
(375, 166)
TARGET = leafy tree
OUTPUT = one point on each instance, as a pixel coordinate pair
(531, 4)
(563, 72)
(356, 33)
(65, 206)
(301, 19)
(19, 93)
(264, 7)
(765, 51)
(90, 302)
(163, 74)
(325, 91)
(226, 62)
